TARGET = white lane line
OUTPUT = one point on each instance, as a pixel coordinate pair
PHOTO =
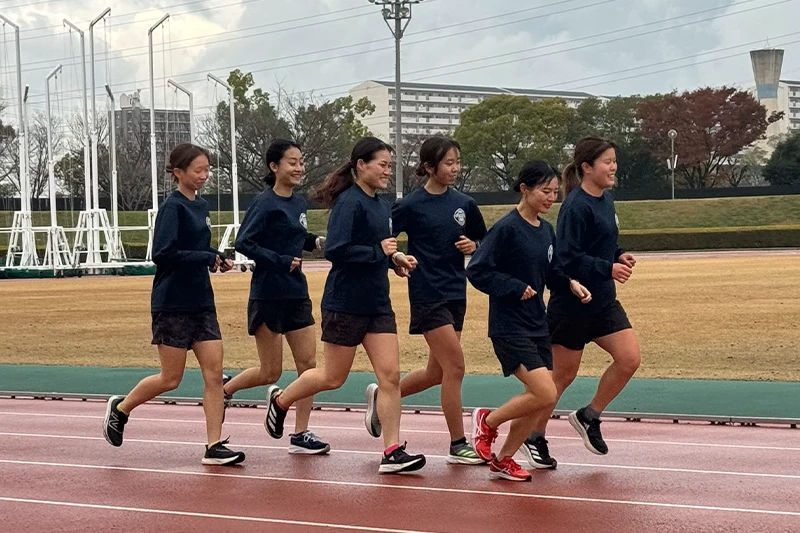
(429, 456)
(425, 432)
(326, 525)
(417, 488)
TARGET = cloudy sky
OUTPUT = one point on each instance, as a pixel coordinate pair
(604, 47)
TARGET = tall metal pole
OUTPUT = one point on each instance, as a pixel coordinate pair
(153, 152)
(20, 113)
(50, 162)
(95, 168)
(26, 184)
(188, 93)
(398, 11)
(398, 108)
(672, 134)
(234, 166)
(87, 169)
(113, 154)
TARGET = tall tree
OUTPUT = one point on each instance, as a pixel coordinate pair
(713, 124)
(783, 168)
(503, 132)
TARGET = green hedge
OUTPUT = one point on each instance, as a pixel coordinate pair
(636, 241)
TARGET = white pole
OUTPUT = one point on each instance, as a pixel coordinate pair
(20, 113)
(153, 152)
(234, 167)
(113, 153)
(50, 163)
(25, 186)
(87, 168)
(188, 93)
(95, 169)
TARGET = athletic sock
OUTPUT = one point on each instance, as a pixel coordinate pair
(591, 414)
(462, 440)
(535, 435)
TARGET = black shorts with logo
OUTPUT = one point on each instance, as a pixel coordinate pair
(345, 329)
(575, 332)
(530, 352)
(280, 316)
(427, 316)
(183, 330)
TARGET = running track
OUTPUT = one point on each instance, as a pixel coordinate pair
(58, 474)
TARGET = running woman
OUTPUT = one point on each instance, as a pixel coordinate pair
(356, 308)
(513, 266)
(443, 225)
(182, 305)
(588, 228)
(274, 234)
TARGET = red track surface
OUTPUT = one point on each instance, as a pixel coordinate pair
(58, 474)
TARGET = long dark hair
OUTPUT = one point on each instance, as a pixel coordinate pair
(340, 179)
(432, 151)
(275, 153)
(182, 156)
(535, 174)
(588, 150)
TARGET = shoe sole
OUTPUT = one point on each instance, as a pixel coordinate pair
(108, 419)
(507, 477)
(403, 467)
(372, 429)
(299, 450)
(532, 462)
(270, 391)
(577, 426)
(455, 460)
(230, 461)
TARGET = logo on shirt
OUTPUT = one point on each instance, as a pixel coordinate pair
(460, 216)
(208, 222)
(391, 230)
(550, 253)
(616, 219)
(304, 220)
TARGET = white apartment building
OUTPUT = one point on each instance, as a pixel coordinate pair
(789, 103)
(429, 108)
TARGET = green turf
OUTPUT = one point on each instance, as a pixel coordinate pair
(664, 396)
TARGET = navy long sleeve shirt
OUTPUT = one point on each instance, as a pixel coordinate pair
(515, 255)
(434, 223)
(274, 232)
(182, 253)
(358, 282)
(588, 229)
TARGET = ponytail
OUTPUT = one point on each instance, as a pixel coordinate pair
(335, 184)
(571, 178)
(269, 179)
(342, 178)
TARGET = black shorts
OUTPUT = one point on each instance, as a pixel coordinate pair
(182, 330)
(427, 316)
(530, 352)
(280, 316)
(344, 329)
(575, 332)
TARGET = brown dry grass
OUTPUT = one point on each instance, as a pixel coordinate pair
(731, 318)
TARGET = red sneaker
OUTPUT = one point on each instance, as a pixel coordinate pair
(507, 469)
(482, 435)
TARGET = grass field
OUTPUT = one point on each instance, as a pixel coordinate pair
(749, 212)
(721, 318)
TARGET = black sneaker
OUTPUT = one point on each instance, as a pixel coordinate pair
(307, 443)
(114, 424)
(589, 430)
(275, 415)
(399, 461)
(219, 455)
(371, 419)
(538, 454)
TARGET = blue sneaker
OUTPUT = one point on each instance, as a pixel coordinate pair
(307, 443)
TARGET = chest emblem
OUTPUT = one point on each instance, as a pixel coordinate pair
(208, 222)
(304, 220)
(391, 229)
(616, 219)
(460, 217)
(550, 254)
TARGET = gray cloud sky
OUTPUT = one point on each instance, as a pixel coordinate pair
(330, 45)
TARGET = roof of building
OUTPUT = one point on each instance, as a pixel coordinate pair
(484, 89)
